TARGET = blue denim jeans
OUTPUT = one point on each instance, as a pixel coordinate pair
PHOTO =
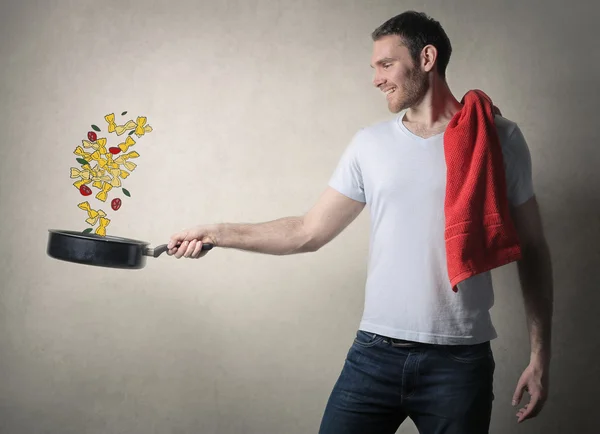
(442, 388)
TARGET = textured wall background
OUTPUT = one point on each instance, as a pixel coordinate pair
(252, 104)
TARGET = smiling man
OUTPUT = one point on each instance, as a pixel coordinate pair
(422, 350)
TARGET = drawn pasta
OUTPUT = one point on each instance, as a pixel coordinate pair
(105, 169)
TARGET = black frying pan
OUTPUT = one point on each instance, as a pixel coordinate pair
(102, 251)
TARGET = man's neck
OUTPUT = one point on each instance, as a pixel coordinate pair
(436, 108)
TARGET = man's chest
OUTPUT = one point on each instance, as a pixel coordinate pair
(403, 170)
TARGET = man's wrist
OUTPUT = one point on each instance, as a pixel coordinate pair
(540, 357)
(215, 233)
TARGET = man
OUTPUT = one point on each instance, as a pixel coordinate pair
(422, 351)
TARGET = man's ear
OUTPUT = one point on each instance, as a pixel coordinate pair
(428, 57)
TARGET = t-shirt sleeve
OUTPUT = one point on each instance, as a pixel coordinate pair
(519, 182)
(347, 176)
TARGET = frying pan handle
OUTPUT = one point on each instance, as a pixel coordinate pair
(158, 250)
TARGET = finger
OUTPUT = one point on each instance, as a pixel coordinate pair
(179, 237)
(520, 413)
(518, 395)
(197, 250)
(190, 248)
(173, 249)
(531, 409)
(181, 250)
(176, 238)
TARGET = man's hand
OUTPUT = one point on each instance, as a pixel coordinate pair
(188, 243)
(534, 380)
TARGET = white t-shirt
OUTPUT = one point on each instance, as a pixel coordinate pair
(402, 178)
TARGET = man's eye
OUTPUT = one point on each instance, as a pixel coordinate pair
(386, 65)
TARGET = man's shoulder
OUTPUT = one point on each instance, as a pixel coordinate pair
(505, 127)
(513, 143)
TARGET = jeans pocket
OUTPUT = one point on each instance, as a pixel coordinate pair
(468, 353)
(367, 339)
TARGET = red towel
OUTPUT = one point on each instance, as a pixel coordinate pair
(479, 231)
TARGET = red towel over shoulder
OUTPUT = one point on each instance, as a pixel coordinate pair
(479, 232)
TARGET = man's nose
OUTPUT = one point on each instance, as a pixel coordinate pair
(378, 80)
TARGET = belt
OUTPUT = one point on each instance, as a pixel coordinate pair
(400, 342)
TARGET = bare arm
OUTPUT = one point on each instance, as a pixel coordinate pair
(535, 273)
(290, 235)
(285, 236)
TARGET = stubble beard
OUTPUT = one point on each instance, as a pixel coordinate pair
(414, 89)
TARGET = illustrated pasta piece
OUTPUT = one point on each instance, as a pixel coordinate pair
(111, 122)
(101, 230)
(119, 129)
(83, 174)
(100, 146)
(93, 215)
(99, 176)
(141, 128)
(126, 144)
(116, 172)
(80, 183)
(122, 160)
(116, 181)
(130, 125)
(103, 194)
(110, 163)
(97, 156)
(85, 155)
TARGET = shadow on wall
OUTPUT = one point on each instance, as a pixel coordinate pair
(571, 216)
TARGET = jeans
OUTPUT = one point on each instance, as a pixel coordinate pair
(442, 388)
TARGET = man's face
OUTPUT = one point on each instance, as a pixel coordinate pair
(403, 82)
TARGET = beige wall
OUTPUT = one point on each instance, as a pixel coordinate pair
(252, 104)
